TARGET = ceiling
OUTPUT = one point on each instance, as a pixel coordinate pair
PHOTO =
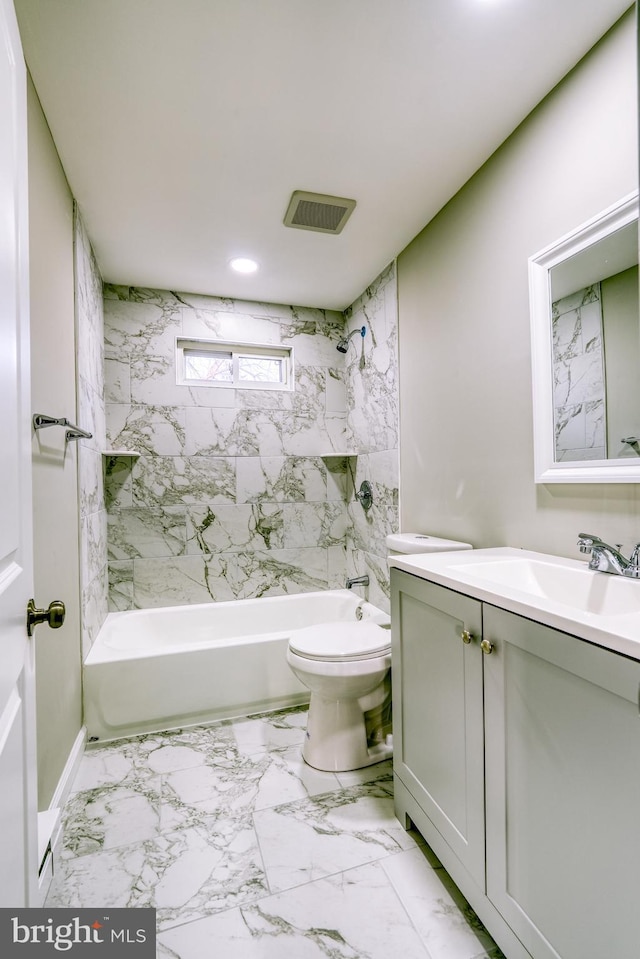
(184, 127)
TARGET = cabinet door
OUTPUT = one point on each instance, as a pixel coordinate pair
(437, 711)
(562, 741)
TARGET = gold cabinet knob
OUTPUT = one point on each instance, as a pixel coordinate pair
(466, 636)
(486, 647)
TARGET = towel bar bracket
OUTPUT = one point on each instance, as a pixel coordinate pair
(41, 420)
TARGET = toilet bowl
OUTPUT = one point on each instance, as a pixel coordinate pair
(346, 666)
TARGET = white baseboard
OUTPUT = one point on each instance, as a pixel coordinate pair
(50, 820)
(65, 782)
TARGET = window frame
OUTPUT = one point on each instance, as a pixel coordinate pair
(236, 350)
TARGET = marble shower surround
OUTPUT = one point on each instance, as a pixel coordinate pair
(372, 429)
(89, 322)
(242, 493)
(578, 376)
(237, 493)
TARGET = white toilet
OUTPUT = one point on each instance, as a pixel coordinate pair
(347, 667)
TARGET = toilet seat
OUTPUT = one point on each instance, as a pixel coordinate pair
(341, 642)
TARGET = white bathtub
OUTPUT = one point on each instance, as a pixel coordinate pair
(156, 669)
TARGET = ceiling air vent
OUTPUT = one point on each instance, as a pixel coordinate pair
(316, 211)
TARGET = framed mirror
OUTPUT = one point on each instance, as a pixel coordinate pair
(585, 340)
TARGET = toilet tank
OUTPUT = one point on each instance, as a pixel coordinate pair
(421, 543)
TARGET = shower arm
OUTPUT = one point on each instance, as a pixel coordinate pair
(344, 342)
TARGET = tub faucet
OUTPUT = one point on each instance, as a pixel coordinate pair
(358, 581)
(609, 559)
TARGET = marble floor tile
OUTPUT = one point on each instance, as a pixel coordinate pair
(289, 778)
(185, 874)
(306, 840)
(110, 816)
(346, 916)
(446, 922)
(270, 731)
(107, 766)
(251, 783)
(244, 850)
(130, 759)
(376, 773)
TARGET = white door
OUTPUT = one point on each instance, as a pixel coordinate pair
(18, 799)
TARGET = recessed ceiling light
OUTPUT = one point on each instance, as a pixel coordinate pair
(242, 264)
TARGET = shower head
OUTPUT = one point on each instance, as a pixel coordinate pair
(344, 342)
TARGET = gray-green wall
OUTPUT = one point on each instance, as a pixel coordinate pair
(466, 458)
(55, 474)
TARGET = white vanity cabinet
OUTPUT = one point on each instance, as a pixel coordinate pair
(437, 704)
(529, 750)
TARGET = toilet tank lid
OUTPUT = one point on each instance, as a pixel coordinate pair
(336, 641)
(422, 543)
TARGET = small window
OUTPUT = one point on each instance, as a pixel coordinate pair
(241, 365)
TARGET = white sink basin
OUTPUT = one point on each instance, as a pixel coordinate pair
(585, 590)
(562, 593)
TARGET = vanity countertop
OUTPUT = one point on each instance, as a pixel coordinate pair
(561, 593)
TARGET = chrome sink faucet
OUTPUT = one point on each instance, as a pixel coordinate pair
(609, 559)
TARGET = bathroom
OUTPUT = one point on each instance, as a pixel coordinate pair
(466, 473)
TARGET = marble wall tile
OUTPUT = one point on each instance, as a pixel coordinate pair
(322, 523)
(90, 480)
(138, 330)
(337, 566)
(89, 319)
(238, 432)
(339, 484)
(368, 529)
(335, 391)
(95, 606)
(160, 531)
(579, 378)
(93, 533)
(372, 370)
(281, 479)
(592, 453)
(120, 586)
(308, 434)
(371, 378)
(158, 430)
(308, 396)
(579, 396)
(203, 323)
(117, 380)
(378, 591)
(263, 474)
(91, 411)
(188, 579)
(153, 382)
(170, 480)
(118, 481)
(216, 529)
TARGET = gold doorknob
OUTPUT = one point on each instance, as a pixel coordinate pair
(54, 615)
(486, 646)
(466, 636)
